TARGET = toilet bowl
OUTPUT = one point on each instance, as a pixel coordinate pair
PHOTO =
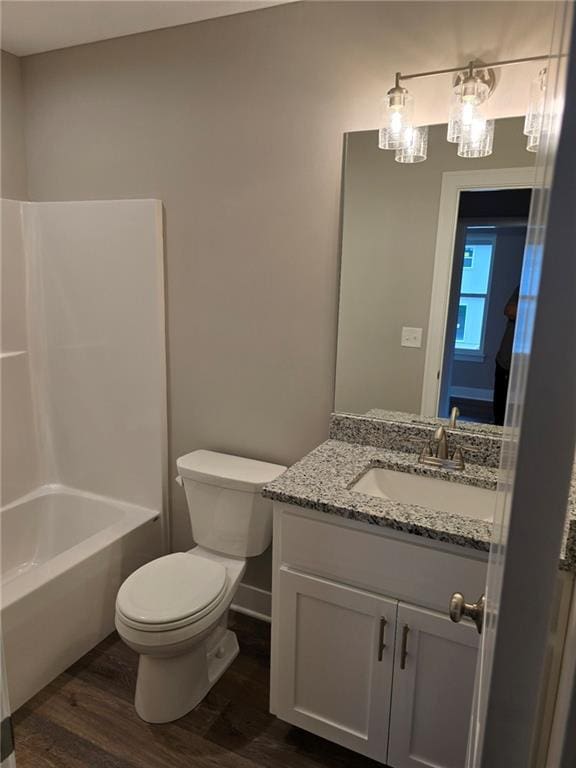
(180, 634)
(173, 611)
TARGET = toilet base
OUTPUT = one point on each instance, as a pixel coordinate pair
(168, 687)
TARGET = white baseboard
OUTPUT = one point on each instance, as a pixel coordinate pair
(253, 601)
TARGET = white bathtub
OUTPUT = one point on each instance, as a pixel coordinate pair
(64, 555)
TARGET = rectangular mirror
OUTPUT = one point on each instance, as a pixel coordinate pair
(431, 260)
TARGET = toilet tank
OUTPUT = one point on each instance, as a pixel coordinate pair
(227, 512)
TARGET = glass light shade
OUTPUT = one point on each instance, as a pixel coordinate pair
(461, 114)
(536, 105)
(467, 96)
(415, 149)
(397, 109)
(549, 126)
(533, 143)
(477, 139)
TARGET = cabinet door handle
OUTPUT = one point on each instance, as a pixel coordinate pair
(381, 642)
(404, 651)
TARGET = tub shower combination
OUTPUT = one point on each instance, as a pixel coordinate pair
(84, 424)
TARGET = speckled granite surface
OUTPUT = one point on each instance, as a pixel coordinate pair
(414, 418)
(322, 480)
(478, 447)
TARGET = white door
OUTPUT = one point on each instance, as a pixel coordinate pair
(538, 452)
(433, 690)
(336, 653)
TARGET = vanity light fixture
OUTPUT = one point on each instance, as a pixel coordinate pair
(467, 125)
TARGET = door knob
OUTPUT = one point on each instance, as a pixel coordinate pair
(460, 609)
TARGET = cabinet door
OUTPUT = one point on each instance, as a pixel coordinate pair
(335, 661)
(433, 688)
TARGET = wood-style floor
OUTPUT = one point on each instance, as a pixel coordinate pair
(86, 718)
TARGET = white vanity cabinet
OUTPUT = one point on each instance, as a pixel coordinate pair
(363, 652)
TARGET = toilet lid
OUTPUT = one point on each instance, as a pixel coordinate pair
(171, 589)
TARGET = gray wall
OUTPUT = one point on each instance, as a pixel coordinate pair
(237, 125)
(13, 160)
(388, 247)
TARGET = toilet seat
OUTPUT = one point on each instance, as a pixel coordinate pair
(173, 591)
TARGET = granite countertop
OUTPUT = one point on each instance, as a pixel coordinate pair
(322, 480)
(414, 418)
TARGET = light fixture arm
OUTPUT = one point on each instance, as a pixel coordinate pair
(471, 66)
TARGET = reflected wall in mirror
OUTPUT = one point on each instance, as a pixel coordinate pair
(431, 261)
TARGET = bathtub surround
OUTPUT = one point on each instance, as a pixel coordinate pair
(20, 458)
(97, 290)
(13, 182)
(237, 125)
(86, 340)
(84, 423)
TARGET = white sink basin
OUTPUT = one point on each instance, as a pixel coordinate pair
(438, 495)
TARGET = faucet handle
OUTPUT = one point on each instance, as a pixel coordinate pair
(458, 458)
(426, 452)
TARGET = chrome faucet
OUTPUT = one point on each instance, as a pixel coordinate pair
(441, 437)
(437, 452)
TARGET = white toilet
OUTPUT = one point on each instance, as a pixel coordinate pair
(173, 611)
